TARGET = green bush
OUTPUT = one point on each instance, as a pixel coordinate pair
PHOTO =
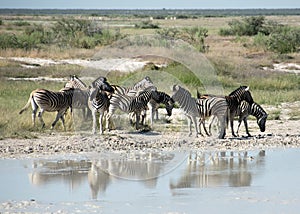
(285, 40)
(248, 26)
(146, 25)
(194, 35)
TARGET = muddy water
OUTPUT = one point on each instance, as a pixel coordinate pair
(175, 182)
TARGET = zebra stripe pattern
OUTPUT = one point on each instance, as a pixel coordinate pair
(216, 106)
(245, 109)
(99, 101)
(50, 101)
(234, 99)
(130, 104)
(188, 105)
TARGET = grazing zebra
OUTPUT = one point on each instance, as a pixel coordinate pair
(81, 95)
(245, 109)
(161, 98)
(188, 104)
(99, 101)
(216, 106)
(129, 104)
(49, 101)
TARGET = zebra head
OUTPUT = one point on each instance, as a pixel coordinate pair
(169, 106)
(102, 84)
(262, 123)
(144, 83)
(242, 93)
(75, 82)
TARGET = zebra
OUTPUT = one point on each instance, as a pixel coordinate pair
(188, 104)
(245, 109)
(161, 98)
(99, 101)
(234, 99)
(131, 91)
(216, 106)
(130, 104)
(50, 101)
(80, 98)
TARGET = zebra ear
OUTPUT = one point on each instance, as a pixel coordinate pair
(176, 87)
(247, 89)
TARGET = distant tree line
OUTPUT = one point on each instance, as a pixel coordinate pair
(160, 13)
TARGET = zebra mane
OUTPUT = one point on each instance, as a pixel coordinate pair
(240, 89)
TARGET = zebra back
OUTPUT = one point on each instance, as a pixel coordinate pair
(185, 100)
(242, 93)
(130, 104)
(212, 106)
(53, 101)
(131, 91)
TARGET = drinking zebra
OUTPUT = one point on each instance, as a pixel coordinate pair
(129, 104)
(245, 109)
(161, 98)
(99, 101)
(50, 101)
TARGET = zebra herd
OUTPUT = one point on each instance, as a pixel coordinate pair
(105, 98)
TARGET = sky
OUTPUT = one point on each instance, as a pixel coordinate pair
(148, 4)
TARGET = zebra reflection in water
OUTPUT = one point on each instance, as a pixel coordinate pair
(219, 169)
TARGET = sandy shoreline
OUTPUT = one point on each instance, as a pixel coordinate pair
(279, 134)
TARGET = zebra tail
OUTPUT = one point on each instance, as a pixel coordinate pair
(27, 104)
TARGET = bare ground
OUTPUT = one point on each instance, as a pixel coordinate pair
(279, 134)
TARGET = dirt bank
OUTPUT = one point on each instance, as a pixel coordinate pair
(278, 134)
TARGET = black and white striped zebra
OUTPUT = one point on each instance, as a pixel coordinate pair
(131, 91)
(213, 106)
(129, 104)
(234, 99)
(245, 109)
(99, 100)
(188, 105)
(161, 98)
(50, 101)
(81, 95)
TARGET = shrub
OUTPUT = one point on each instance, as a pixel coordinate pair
(248, 26)
(146, 25)
(194, 36)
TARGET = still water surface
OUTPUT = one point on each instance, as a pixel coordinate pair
(178, 182)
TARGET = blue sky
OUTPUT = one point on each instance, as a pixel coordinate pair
(149, 4)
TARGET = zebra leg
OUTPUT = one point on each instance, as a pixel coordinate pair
(231, 125)
(94, 121)
(223, 126)
(246, 127)
(40, 115)
(100, 122)
(137, 118)
(59, 115)
(237, 131)
(196, 126)
(204, 127)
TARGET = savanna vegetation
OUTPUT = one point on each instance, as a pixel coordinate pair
(238, 48)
